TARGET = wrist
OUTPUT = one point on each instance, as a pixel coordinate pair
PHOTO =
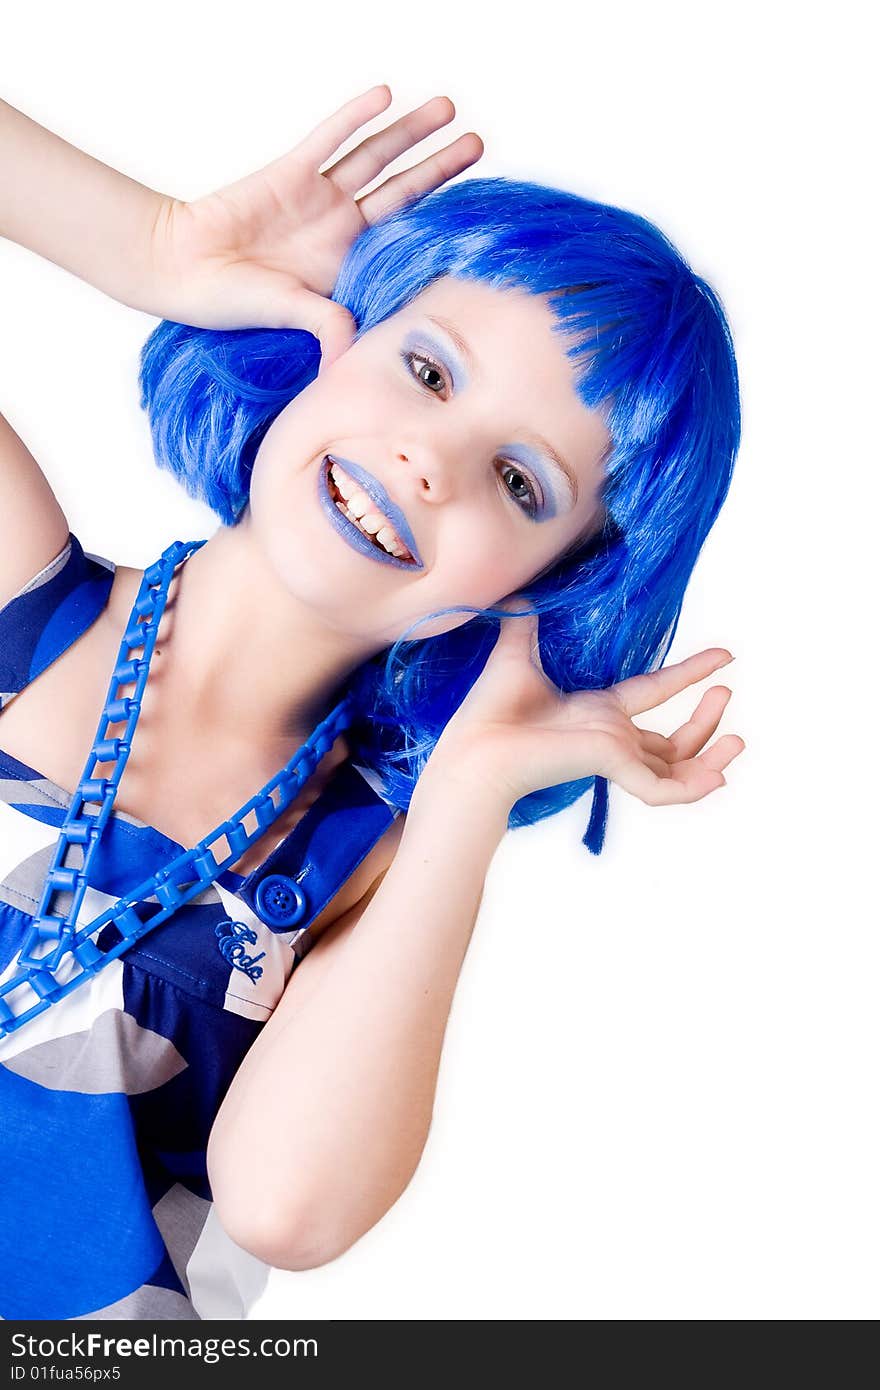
(152, 281)
(453, 787)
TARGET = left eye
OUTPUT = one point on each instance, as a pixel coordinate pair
(520, 482)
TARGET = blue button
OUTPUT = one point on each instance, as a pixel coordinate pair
(280, 901)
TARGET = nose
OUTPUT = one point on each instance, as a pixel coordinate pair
(429, 475)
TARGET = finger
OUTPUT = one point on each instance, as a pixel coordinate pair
(658, 744)
(329, 322)
(422, 178)
(518, 635)
(695, 777)
(374, 154)
(326, 137)
(722, 752)
(689, 738)
(665, 767)
(684, 782)
(658, 765)
(519, 640)
(640, 693)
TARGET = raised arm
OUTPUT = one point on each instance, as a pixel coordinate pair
(74, 210)
(264, 251)
(96, 223)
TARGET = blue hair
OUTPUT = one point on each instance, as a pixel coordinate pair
(652, 352)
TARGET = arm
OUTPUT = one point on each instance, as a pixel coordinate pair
(33, 528)
(326, 1120)
(97, 223)
(264, 251)
(74, 210)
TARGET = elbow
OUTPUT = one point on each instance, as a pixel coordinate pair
(299, 1244)
(303, 1228)
(285, 1238)
(300, 1255)
(286, 1233)
(300, 1234)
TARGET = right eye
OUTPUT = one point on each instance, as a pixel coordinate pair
(426, 371)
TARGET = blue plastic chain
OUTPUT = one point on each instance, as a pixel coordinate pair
(52, 941)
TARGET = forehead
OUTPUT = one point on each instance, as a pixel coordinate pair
(491, 313)
(512, 348)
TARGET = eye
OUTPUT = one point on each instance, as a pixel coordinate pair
(429, 373)
(522, 490)
(433, 377)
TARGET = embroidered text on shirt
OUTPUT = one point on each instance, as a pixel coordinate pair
(232, 936)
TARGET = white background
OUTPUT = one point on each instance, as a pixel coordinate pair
(658, 1087)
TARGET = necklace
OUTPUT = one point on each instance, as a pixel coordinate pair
(56, 957)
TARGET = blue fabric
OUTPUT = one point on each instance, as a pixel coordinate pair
(39, 624)
(327, 845)
(77, 1231)
(106, 1114)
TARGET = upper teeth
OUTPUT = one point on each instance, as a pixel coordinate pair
(363, 510)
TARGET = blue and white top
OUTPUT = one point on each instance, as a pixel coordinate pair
(108, 1097)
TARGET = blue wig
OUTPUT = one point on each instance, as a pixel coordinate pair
(652, 354)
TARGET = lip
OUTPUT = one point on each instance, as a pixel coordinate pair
(375, 491)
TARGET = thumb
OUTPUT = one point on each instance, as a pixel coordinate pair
(329, 322)
(519, 635)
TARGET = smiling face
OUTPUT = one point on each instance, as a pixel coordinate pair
(457, 419)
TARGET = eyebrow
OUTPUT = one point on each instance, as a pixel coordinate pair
(568, 473)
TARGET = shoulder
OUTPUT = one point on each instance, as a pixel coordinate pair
(360, 886)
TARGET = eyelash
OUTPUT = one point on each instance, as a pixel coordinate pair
(409, 358)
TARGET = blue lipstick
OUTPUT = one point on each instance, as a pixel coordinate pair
(377, 494)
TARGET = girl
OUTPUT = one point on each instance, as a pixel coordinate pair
(427, 418)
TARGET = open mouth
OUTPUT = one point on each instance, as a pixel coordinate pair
(383, 536)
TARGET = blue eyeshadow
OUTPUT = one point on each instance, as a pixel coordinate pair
(423, 340)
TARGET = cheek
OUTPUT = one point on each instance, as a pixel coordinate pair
(485, 577)
(330, 408)
(483, 563)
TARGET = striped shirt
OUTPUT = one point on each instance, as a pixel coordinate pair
(108, 1097)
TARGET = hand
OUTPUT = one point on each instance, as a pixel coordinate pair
(266, 251)
(517, 732)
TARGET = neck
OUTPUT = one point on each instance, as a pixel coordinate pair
(248, 663)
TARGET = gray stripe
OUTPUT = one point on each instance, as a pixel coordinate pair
(149, 1301)
(49, 572)
(115, 1055)
(181, 1216)
(34, 791)
(27, 878)
(101, 560)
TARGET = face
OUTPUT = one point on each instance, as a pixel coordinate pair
(457, 420)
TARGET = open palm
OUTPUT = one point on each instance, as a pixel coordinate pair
(519, 732)
(266, 251)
